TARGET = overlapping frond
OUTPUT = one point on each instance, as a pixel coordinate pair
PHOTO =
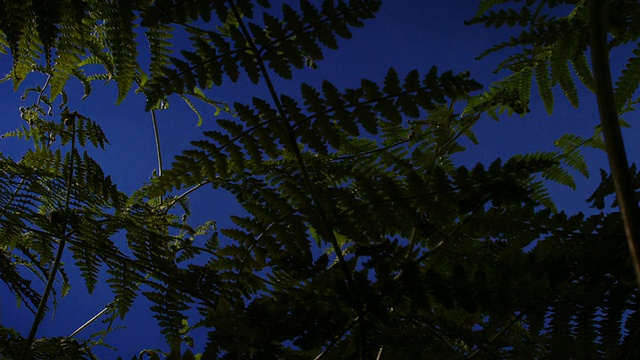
(546, 45)
(290, 40)
(628, 82)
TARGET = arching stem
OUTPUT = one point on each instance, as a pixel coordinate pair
(614, 145)
(56, 263)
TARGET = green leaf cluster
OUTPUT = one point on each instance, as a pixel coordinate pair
(548, 44)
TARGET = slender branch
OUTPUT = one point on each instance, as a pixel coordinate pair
(56, 263)
(156, 134)
(498, 334)
(106, 308)
(432, 328)
(186, 193)
(610, 124)
(293, 147)
(41, 93)
(536, 14)
(379, 357)
(335, 340)
(100, 340)
(157, 137)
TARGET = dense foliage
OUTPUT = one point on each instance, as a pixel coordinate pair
(551, 42)
(362, 240)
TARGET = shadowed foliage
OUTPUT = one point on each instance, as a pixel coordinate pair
(361, 237)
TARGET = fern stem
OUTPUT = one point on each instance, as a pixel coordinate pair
(157, 137)
(4, 211)
(335, 340)
(44, 87)
(292, 144)
(56, 263)
(186, 193)
(614, 145)
(94, 318)
(498, 334)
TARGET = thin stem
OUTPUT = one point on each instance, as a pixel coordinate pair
(293, 147)
(335, 340)
(56, 263)
(498, 334)
(379, 357)
(186, 193)
(46, 83)
(106, 308)
(157, 137)
(610, 124)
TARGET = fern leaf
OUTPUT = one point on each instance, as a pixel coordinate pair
(561, 74)
(485, 5)
(88, 263)
(124, 282)
(544, 85)
(84, 80)
(559, 175)
(193, 108)
(570, 145)
(581, 67)
(169, 306)
(68, 54)
(27, 51)
(118, 25)
(627, 83)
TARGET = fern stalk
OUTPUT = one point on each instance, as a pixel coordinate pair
(498, 334)
(335, 340)
(41, 93)
(56, 263)
(611, 131)
(94, 318)
(314, 193)
(185, 194)
(157, 137)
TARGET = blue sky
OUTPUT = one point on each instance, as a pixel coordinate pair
(406, 35)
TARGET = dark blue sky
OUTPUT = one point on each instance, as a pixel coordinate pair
(406, 35)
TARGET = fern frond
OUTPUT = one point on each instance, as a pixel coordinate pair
(160, 45)
(544, 85)
(485, 5)
(88, 263)
(169, 307)
(118, 25)
(540, 193)
(18, 285)
(583, 71)
(68, 54)
(198, 94)
(281, 43)
(28, 48)
(570, 145)
(560, 74)
(559, 175)
(123, 283)
(336, 114)
(627, 83)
